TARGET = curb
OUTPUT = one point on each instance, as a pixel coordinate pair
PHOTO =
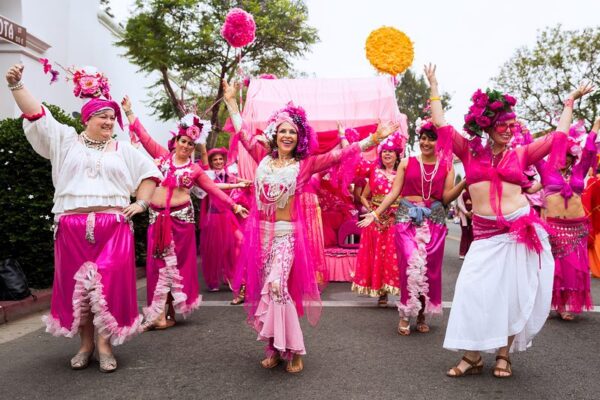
(13, 310)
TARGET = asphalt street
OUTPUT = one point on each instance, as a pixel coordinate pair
(354, 353)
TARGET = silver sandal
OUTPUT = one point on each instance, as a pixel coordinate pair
(81, 360)
(108, 362)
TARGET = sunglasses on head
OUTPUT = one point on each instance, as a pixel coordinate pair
(502, 127)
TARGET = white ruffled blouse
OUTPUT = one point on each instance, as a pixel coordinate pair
(84, 177)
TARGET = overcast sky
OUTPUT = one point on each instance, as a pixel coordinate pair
(469, 40)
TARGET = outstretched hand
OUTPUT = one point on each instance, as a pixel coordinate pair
(429, 71)
(15, 74)
(583, 89)
(366, 220)
(386, 129)
(126, 104)
(230, 90)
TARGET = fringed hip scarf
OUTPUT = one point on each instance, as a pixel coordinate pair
(521, 229)
(162, 218)
(567, 234)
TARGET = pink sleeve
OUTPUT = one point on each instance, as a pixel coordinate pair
(588, 156)
(541, 147)
(216, 194)
(322, 162)
(152, 147)
(252, 145)
(448, 137)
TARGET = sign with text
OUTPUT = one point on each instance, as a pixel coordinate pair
(12, 32)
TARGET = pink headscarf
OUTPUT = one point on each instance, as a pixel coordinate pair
(96, 104)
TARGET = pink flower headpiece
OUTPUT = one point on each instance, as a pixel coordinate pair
(576, 132)
(487, 109)
(193, 127)
(89, 83)
(521, 135)
(239, 28)
(395, 142)
(425, 126)
(296, 116)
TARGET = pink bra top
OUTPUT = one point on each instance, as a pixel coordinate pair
(508, 168)
(415, 185)
(554, 182)
(183, 175)
(479, 167)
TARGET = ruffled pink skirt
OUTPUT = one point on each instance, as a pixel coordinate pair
(94, 271)
(276, 318)
(177, 271)
(420, 256)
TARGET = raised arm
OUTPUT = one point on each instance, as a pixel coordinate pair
(152, 147)
(205, 183)
(256, 145)
(555, 141)
(25, 100)
(389, 198)
(437, 111)
(447, 135)
(322, 162)
(590, 150)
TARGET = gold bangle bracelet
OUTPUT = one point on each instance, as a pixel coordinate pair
(435, 99)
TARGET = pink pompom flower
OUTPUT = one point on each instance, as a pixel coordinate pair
(239, 28)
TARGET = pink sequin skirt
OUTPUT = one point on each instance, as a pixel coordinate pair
(571, 290)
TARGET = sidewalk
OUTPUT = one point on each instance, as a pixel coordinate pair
(13, 310)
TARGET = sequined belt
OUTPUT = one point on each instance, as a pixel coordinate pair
(436, 212)
(567, 234)
(377, 199)
(183, 212)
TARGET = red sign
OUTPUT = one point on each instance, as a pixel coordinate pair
(12, 32)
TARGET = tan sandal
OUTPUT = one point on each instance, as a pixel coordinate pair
(241, 297)
(474, 368)
(81, 360)
(298, 367)
(152, 326)
(383, 300)
(271, 362)
(403, 330)
(508, 370)
(108, 362)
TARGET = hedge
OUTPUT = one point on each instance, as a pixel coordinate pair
(26, 191)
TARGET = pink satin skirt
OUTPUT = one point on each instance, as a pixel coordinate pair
(94, 272)
(176, 272)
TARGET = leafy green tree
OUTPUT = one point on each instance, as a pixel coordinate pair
(541, 76)
(412, 94)
(181, 40)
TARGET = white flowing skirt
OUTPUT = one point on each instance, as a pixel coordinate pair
(503, 289)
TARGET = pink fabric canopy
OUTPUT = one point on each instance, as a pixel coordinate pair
(357, 103)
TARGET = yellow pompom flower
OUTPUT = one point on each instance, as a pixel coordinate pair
(389, 50)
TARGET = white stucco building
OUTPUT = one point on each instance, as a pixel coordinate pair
(72, 32)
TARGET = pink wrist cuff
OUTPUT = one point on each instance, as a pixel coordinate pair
(34, 117)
